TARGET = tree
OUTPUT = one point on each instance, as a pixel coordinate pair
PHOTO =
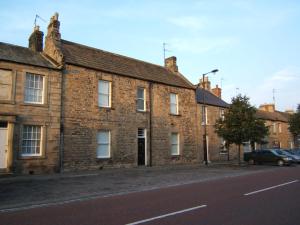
(258, 132)
(240, 124)
(294, 125)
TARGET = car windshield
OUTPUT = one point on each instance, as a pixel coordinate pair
(279, 152)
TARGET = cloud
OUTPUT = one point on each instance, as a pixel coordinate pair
(188, 22)
(201, 45)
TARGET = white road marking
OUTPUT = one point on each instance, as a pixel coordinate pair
(169, 214)
(266, 189)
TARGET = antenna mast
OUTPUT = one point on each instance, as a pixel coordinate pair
(38, 17)
(273, 91)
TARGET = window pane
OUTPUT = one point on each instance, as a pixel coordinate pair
(140, 104)
(103, 137)
(173, 109)
(103, 100)
(31, 140)
(140, 93)
(103, 87)
(102, 151)
(174, 139)
(5, 84)
(174, 150)
(173, 98)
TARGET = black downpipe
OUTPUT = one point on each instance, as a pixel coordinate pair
(61, 140)
(150, 121)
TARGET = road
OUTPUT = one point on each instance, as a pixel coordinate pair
(269, 197)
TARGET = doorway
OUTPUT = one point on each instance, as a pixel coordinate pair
(3, 145)
(142, 157)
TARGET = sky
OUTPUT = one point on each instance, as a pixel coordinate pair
(255, 45)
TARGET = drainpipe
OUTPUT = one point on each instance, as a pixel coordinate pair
(61, 140)
(150, 121)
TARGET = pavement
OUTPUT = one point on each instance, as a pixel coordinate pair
(30, 191)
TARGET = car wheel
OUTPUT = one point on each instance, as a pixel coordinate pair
(280, 162)
(251, 162)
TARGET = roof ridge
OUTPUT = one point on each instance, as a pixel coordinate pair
(116, 54)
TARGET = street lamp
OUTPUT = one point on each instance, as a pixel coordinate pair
(205, 116)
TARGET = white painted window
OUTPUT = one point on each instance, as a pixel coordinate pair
(141, 101)
(204, 115)
(31, 140)
(6, 84)
(222, 113)
(104, 93)
(103, 141)
(34, 88)
(174, 144)
(274, 128)
(174, 103)
(279, 128)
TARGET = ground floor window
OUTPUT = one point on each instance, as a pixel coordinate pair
(174, 144)
(103, 142)
(31, 140)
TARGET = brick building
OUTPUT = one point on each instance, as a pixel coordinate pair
(210, 107)
(279, 135)
(98, 109)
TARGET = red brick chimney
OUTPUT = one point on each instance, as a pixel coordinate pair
(36, 40)
(217, 91)
(171, 64)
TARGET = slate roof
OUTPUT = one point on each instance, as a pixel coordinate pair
(81, 55)
(209, 98)
(273, 116)
(18, 54)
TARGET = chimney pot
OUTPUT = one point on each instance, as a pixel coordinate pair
(36, 40)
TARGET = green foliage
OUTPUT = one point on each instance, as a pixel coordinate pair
(294, 123)
(240, 123)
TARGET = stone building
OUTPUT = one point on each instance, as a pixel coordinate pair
(210, 107)
(279, 135)
(30, 93)
(72, 107)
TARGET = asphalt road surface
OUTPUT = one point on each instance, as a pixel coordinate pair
(269, 197)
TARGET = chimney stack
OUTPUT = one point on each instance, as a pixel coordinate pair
(217, 91)
(205, 84)
(171, 64)
(53, 41)
(267, 107)
(36, 40)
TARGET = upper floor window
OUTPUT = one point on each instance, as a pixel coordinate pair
(141, 102)
(274, 128)
(103, 142)
(222, 114)
(279, 128)
(34, 88)
(174, 144)
(174, 103)
(5, 84)
(31, 140)
(204, 115)
(104, 93)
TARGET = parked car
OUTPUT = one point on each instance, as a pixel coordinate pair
(270, 156)
(293, 155)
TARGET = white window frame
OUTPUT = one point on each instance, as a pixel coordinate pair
(279, 128)
(106, 143)
(143, 99)
(31, 139)
(105, 94)
(174, 144)
(274, 128)
(174, 104)
(27, 89)
(222, 114)
(204, 117)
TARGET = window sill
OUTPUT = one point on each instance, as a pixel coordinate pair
(171, 114)
(106, 108)
(35, 105)
(175, 156)
(103, 159)
(141, 111)
(7, 102)
(31, 157)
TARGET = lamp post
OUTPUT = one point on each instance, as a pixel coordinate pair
(205, 116)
